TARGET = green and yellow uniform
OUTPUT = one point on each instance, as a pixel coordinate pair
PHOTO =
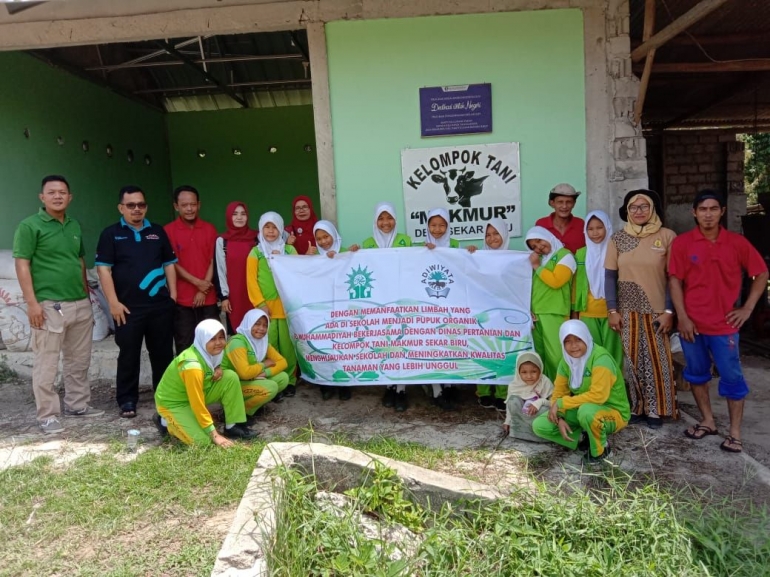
(240, 358)
(400, 241)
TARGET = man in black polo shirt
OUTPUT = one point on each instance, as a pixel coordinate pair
(135, 263)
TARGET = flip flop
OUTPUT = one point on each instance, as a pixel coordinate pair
(703, 430)
(725, 446)
(128, 411)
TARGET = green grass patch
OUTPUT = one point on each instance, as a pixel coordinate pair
(7, 374)
(622, 530)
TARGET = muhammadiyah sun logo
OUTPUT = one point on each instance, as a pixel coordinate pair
(360, 283)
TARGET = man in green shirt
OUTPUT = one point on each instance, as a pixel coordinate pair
(48, 252)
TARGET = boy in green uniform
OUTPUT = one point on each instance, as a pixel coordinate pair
(589, 396)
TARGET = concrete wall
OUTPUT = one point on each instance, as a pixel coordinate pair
(263, 180)
(691, 161)
(533, 60)
(49, 104)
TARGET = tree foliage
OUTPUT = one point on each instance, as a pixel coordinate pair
(757, 166)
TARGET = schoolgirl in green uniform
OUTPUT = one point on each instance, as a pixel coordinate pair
(260, 367)
(589, 396)
(195, 379)
(263, 293)
(328, 240)
(385, 236)
(588, 299)
(553, 267)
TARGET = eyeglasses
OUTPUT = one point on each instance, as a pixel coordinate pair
(633, 209)
(135, 205)
(302, 207)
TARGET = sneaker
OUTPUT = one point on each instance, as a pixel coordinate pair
(636, 419)
(290, 391)
(401, 402)
(345, 393)
(487, 402)
(327, 393)
(603, 458)
(654, 422)
(278, 398)
(500, 405)
(239, 431)
(86, 412)
(584, 444)
(51, 426)
(163, 430)
(389, 398)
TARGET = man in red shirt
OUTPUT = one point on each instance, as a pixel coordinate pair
(561, 223)
(193, 241)
(706, 268)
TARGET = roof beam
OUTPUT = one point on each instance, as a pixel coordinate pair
(113, 67)
(695, 14)
(713, 39)
(649, 26)
(758, 65)
(255, 84)
(193, 66)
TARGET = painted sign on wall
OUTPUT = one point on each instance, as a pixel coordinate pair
(462, 109)
(474, 182)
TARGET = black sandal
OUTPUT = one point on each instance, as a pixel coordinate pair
(729, 440)
(128, 410)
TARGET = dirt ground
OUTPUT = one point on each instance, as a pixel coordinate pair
(664, 454)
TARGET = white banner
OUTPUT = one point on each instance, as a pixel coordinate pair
(474, 182)
(407, 315)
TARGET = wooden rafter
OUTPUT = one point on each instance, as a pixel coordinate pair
(695, 14)
(649, 26)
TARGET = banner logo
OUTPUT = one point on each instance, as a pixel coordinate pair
(360, 283)
(438, 278)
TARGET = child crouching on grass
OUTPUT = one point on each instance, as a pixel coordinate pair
(589, 396)
(529, 396)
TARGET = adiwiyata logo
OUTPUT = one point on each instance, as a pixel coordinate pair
(437, 277)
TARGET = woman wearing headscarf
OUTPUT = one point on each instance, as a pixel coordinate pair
(232, 249)
(384, 233)
(640, 308)
(589, 302)
(195, 379)
(589, 396)
(302, 222)
(553, 267)
(260, 368)
(263, 293)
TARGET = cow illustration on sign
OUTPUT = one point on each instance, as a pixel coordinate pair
(459, 185)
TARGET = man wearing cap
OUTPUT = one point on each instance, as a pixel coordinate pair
(706, 267)
(561, 223)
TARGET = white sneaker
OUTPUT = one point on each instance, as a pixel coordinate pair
(51, 426)
(86, 412)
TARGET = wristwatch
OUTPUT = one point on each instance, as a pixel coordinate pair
(668, 311)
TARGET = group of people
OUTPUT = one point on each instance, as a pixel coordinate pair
(599, 300)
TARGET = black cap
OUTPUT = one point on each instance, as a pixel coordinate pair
(707, 194)
(623, 210)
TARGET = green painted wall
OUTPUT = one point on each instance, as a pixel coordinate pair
(534, 61)
(263, 180)
(52, 103)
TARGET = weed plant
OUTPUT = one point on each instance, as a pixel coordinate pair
(621, 530)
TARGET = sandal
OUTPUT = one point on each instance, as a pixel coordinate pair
(128, 411)
(699, 431)
(729, 440)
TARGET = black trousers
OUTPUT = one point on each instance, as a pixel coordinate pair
(154, 326)
(185, 321)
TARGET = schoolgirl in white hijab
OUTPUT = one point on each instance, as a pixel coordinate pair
(502, 229)
(577, 365)
(259, 346)
(596, 253)
(204, 332)
(443, 240)
(268, 247)
(384, 240)
(329, 228)
(540, 233)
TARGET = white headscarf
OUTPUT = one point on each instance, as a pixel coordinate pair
(259, 346)
(576, 366)
(204, 332)
(328, 227)
(540, 233)
(444, 240)
(279, 244)
(384, 240)
(501, 227)
(595, 254)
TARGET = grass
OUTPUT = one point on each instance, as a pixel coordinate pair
(166, 513)
(7, 374)
(621, 531)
